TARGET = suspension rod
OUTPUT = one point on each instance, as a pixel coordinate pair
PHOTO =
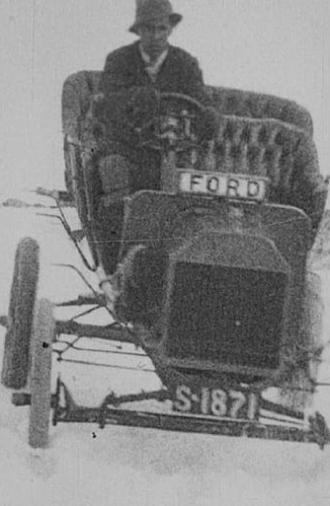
(111, 333)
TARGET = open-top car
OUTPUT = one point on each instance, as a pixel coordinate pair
(210, 279)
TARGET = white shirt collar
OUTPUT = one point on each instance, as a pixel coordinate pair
(153, 68)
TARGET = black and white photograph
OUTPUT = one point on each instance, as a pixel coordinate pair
(165, 253)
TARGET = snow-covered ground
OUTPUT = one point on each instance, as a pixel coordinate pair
(86, 466)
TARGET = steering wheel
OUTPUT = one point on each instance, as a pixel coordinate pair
(175, 125)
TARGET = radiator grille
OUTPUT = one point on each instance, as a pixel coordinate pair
(227, 315)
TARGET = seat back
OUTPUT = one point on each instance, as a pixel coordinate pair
(248, 104)
(78, 89)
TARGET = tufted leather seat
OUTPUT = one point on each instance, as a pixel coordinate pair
(79, 87)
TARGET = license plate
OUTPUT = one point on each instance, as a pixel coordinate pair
(236, 186)
(217, 402)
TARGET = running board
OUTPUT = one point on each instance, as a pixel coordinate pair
(184, 423)
(316, 432)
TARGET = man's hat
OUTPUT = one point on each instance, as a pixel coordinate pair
(150, 11)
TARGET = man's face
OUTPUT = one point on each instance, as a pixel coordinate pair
(154, 37)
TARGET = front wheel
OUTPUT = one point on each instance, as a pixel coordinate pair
(40, 380)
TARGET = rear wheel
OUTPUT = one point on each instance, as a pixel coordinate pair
(40, 380)
(15, 364)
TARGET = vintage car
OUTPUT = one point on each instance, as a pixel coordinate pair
(211, 277)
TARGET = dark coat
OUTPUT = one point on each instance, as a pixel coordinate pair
(125, 81)
(180, 73)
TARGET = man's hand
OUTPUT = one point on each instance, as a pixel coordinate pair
(124, 113)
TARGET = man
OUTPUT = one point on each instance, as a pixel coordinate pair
(152, 61)
(150, 64)
(132, 75)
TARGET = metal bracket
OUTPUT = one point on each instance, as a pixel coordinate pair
(74, 236)
(84, 300)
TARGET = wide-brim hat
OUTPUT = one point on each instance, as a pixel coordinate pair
(151, 11)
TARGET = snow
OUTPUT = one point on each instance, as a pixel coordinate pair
(86, 466)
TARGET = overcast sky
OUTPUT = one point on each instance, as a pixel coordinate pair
(274, 46)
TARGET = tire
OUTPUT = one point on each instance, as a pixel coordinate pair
(15, 366)
(40, 376)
